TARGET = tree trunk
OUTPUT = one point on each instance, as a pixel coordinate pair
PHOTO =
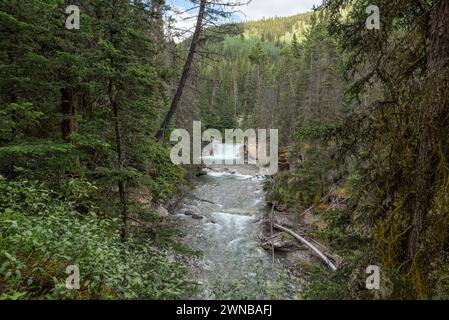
(113, 99)
(434, 125)
(68, 109)
(325, 259)
(120, 158)
(236, 96)
(308, 111)
(185, 73)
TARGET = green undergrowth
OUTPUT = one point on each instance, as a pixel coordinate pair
(42, 233)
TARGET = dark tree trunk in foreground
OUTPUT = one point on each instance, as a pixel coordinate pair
(433, 133)
(185, 73)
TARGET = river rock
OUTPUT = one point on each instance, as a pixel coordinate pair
(284, 220)
(282, 242)
(161, 211)
(190, 210)
(196, 216)
(201, 173)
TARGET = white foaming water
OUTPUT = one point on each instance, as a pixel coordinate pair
(228, 174)
(228, 154)
(233, 221)
(225, 152)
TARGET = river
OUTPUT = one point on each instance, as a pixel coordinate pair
(233, 265)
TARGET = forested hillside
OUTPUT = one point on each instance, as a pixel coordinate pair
(85, 171)
(78, 115)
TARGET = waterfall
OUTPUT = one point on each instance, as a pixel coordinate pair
(224, 152)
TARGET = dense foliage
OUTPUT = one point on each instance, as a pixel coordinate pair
(42, 233)
(78, 112)
(363, 116)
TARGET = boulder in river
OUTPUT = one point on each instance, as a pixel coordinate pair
(197, 216)
(201, 173)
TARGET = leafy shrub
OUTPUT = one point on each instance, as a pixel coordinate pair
(40, 235)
